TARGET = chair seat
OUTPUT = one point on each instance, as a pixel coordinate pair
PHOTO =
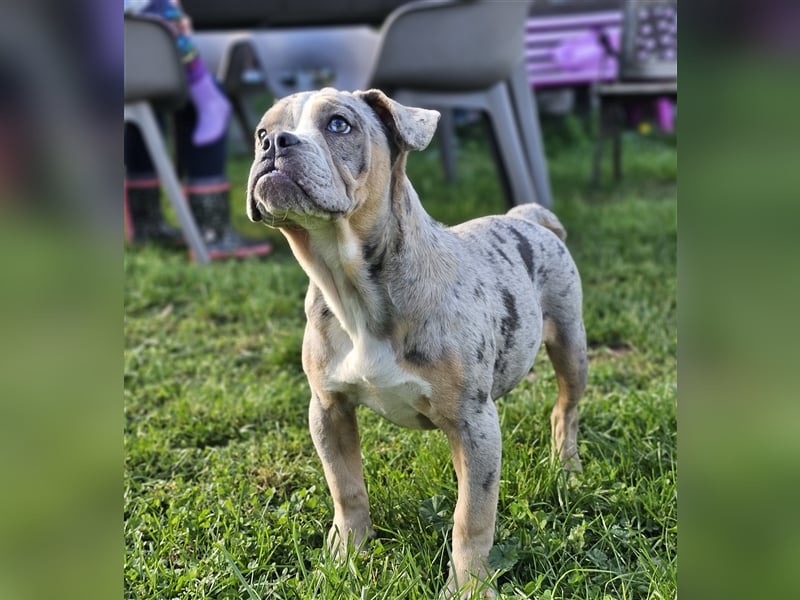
(638, 88)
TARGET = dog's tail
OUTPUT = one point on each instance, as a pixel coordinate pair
(541, 216)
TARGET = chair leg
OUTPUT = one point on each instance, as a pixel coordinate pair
(142, 114)
(243, 118)
(496, 101)
(512, 154)
(597, 159)
(618, 116)
(529, 125)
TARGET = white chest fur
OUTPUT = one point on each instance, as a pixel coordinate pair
(368, 373)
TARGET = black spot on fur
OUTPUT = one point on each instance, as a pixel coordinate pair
(384, 328)
(508, 327)
(497, 236)
(375, 270)
(325, 312)
(478, 292)
(369, 251)
(480, 397)
(500, 364)
(505, 256)
(417, 357)
(510, 322)
(542, 272)
(399, 244)
(374, 260)
(468, 435)
(487, 483)
(479, 351)
(525, 250)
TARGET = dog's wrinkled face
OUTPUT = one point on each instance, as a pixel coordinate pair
(312, 156)
(320, 155)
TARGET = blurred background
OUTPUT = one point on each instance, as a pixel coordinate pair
(61, 242)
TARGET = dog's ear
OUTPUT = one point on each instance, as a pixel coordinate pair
(412, 128)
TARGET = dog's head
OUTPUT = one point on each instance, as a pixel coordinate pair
(320, 156)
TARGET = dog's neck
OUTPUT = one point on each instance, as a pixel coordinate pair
(360, 268)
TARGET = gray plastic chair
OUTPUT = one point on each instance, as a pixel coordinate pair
(449, 54)
(648, 69)
(154, 74)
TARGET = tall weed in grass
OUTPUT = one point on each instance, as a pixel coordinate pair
(225, 497)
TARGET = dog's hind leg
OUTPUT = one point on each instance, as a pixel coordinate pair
(565, 341)
(476, 448)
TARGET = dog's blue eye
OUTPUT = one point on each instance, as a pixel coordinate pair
(338, 125)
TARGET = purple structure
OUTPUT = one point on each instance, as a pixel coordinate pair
(571, 49)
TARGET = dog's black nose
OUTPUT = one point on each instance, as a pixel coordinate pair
(284, 139)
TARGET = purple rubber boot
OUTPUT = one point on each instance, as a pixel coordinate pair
(213, 110)
(666, 115)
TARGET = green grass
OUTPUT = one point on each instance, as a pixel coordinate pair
(225, 496)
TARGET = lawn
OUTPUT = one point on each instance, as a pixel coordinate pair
(225, 496)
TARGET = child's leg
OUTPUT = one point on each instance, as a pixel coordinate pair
(208, 192)
(213, 108)
(144, 220)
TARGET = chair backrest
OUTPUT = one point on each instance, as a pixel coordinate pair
(153, 69)
(296, 60)
(649, 40)
(563, 8)
(232, 57)
(450, 45)
(565, 48)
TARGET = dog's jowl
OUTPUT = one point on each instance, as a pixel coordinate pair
(427, 325)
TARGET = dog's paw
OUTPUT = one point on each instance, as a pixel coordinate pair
(353, 539)
(474, 590)
(571, 463)
(473, 587)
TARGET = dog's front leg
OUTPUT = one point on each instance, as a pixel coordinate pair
(476, 449)
(335, 433)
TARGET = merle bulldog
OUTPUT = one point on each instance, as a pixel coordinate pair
(427, 325)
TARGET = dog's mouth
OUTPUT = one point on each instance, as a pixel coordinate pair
(278, 175)
(273, 175)
(279, 200)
